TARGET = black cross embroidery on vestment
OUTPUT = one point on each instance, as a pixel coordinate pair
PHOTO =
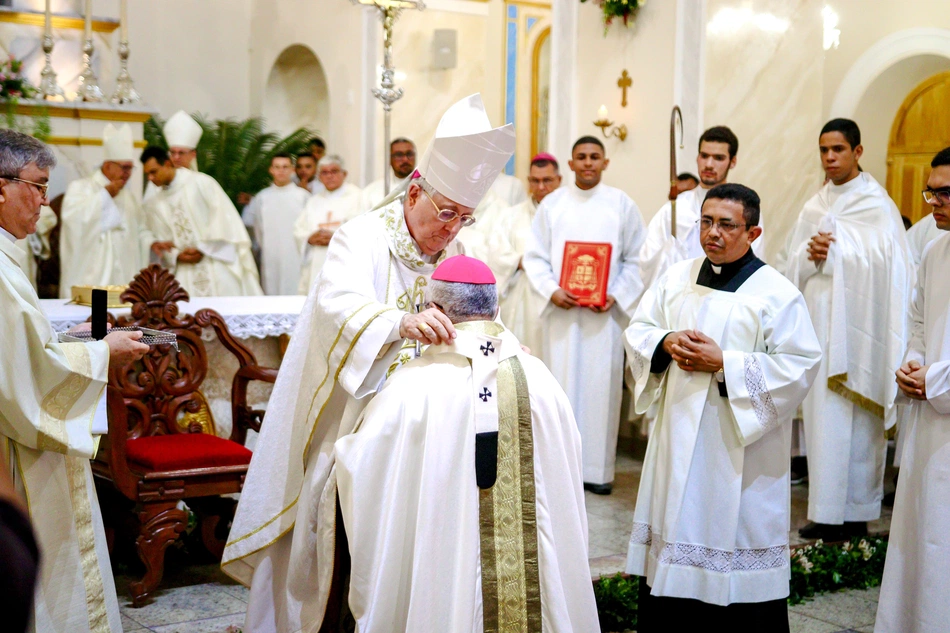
(485, 394)
(487, 348)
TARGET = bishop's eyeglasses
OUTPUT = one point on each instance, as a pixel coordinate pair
(937, 196)
(445, 215)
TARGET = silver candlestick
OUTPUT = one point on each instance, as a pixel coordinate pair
(49, 88)
(387, 92)
(88, 82)
(125, 91)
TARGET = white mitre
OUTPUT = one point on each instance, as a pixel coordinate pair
(182, 131)
(117, 143)
(467, 154)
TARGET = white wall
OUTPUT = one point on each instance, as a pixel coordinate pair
(640, 164)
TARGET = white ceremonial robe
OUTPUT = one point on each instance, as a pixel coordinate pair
(276, 210)
(37, 246)
(328, 209)
(195, 212)
(858, 302)
(520, 304)
(412, 507)
(582, 347)
(103, 241)
(712, 515)
(660, 251)
(920, 235)
(915, 592)
(509, 189)
(374, 192)
(345, 343)
(49, 393)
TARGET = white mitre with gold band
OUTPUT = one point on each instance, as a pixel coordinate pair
(465, 156)
(117, 143)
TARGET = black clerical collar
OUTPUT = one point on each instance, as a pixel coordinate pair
(729, 277)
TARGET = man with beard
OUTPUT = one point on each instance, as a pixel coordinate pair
(718, 152)
(306, 171)
(402, 159)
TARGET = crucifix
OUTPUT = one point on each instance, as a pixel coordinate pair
(623, 83)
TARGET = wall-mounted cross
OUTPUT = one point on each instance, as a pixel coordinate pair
(623, 83)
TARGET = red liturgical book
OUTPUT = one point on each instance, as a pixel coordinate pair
(585, 271)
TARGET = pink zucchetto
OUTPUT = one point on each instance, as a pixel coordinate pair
(464, 270)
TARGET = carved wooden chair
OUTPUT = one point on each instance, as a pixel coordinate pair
(156, 454)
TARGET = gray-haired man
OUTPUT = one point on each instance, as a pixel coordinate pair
(467, 464)
(51, 413)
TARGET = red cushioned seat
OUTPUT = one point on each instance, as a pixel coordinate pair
(185, 450)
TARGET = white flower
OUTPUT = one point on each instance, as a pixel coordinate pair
(847, 546)
(819, 543)
(806, 564)
(863, 545)
(868, 553)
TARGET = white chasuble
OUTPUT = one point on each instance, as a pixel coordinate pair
(583, 348)
(436, 547)
(345, 343)
(915, 594)
(712, 515)
(48, 397)
(103, 240)
(858, 302)
(324, 210)
(521, 305)
(36, 245)
(661, 250)
(195, 212)
(275, 211)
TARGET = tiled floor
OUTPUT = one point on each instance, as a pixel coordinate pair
(201, 599)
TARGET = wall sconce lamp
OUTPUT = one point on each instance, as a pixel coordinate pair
(620, 131)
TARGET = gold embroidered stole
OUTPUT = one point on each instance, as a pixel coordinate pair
(511, 590)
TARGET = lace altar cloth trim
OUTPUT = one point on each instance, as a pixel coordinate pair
(708, 558)
(247, 317)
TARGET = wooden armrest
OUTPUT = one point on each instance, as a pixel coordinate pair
(124, 480)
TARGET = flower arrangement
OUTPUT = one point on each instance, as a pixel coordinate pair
(13, 85)
(626, 10)
(820, 568)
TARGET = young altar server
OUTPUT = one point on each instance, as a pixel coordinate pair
(467, 466)
(725, 346)
(582, 345)
(915, 592)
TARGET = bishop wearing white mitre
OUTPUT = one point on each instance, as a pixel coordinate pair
(201, 237)
(718, 153)
(182, 134)
(485, 529)
(848, 255)
(724, 345)
(275, 211)
(359, 323)
(52, 412)
(582, 345)
(104, 239)
(325, 212)
(915, 592)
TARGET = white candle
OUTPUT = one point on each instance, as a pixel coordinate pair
(48, 23)
(87, 32)
(602, 113)
(124, 21)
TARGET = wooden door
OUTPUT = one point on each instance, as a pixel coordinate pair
(920, 130)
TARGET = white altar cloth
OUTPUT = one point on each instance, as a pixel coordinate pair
(247, 317)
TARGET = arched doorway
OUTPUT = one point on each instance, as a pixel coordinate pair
(920, 130)
(296, 94)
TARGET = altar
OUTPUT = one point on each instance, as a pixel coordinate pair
(258, 321)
